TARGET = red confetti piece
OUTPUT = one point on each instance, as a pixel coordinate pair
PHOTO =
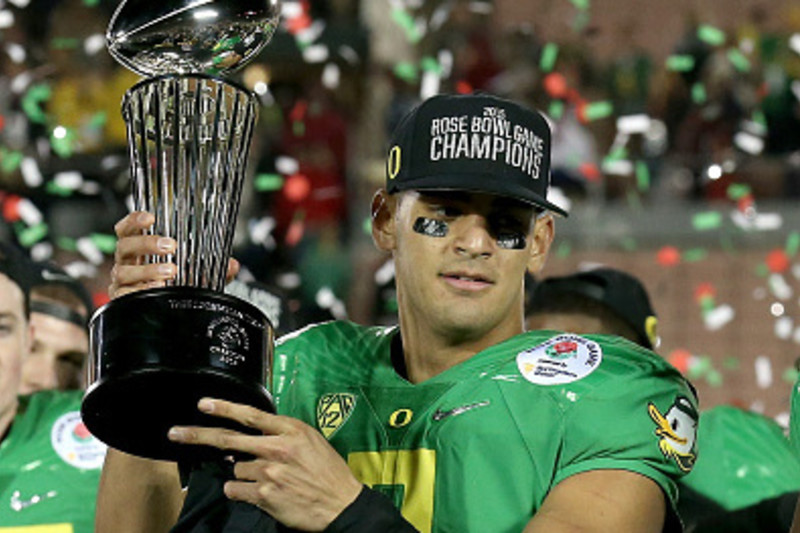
(463, 87)
(11, 208)
(555, 85)
(298, 112)
(296, 229)
(745, 203)
(297, 188)
(2, 122)
(778, 261)
(100, 299)
(668, 256)
(704, 291)
(590, 172)
(680, 359)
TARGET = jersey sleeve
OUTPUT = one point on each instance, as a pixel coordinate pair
(636, 417)
(794, 429)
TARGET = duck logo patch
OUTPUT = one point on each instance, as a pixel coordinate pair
(677, 431)
(562, 359)
(333, 410)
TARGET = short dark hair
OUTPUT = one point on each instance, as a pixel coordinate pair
(16, 266)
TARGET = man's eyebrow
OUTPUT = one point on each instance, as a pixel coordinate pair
(7, 315)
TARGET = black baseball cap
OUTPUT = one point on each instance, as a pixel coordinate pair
(474, 142)
(621, 293)
(17, 267)
(47, 273)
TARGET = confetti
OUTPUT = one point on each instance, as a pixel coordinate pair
(268, 182)
(104, 242)
(707, 221)
(699, 94)
(596, 110)
(738, 60)
(694, 255)
(680, 63)
(297, 188)
(668, 256)
(777, 261)
(680, 359)
(633, 124)
(779, 286)
(30, 235)
(718, 317)
(642, 176)
(792, 243)
(710, 35)
(548, 58)
(784, 327)
(763, 368)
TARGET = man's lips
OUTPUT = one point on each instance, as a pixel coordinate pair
(467, 281)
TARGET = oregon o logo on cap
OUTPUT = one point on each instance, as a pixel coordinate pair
(393, 162)
(650, 326)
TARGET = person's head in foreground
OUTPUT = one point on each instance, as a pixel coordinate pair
(60, 309)
(465, 214)
(601, 300)
(15, 329)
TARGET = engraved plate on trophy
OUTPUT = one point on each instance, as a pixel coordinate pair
(156, 352)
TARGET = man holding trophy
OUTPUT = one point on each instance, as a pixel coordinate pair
(457, 420)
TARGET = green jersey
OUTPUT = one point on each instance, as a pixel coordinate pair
(794, 429)
(478, 447)
(49, 467)
(746, 458)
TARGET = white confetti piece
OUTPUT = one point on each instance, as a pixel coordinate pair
(719, 317)
(763, 368)
(784, 328)
(29, 213)
(6, 19)
(331, 76)
(796, 336)
(759, 222)
(286, 165)
(747, 142)
(16, 52)
(31, 174)
(633, 124)
(89, 250)
(316, 53)
(69, 180)
(429, 85)
(794, 42)
(779, 287)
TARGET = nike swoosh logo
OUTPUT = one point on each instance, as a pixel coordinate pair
(18, 504)
(439, 414)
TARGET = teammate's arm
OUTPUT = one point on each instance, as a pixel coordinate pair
(602, 500)
(137, 495)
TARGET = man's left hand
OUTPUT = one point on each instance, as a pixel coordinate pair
(296, 476)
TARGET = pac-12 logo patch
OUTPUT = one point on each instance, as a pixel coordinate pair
(561, 359)
(74, 444)
(333, 410)
(677, 431)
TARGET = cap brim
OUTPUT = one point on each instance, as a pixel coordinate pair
(489, 184)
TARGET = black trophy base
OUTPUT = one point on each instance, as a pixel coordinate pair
(155, 353)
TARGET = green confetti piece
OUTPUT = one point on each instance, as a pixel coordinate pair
(563, 250)
(617, 154)
(699, 94)
(429, 64)
(694, 255)
(406, 71)
(762, 270)
(366, 226)
(642, 176)
(680, 63)
(390, 306)
(707, 221)
(707, 304)
(33, 234)
(581, 20)
(56, 190)
(404, 19)
(10, 160)
(629, 244)
(556, 109)
(759, 118)
(790, 375)
(63, 146)
(268, 182)
(67, 244)
(714, 378)
(31, 102)
(549, 55)
(98, 120)
(792, 244)
(738, 60)
(699, 367)
(598, 110)
(65, 43)
(91, 3)
(298, 128)
(711, 35)
(737, 191)
(105, 243)
(731, 363)
(583, 5)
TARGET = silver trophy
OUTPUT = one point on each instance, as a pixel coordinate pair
(155, 353)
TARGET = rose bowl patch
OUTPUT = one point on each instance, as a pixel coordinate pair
(562, 359)
(74, 444)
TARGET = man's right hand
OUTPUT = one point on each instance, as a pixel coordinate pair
(130, 273)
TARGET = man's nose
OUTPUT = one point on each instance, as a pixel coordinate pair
(473, 237)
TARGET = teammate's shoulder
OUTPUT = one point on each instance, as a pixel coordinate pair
(51, 401)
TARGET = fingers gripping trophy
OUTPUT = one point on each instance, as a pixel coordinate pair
(156, 352)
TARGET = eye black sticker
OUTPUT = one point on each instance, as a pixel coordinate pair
(430, 227)
(511, 240)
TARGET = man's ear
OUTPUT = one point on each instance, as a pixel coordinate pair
(543, 232)
(383, 221)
